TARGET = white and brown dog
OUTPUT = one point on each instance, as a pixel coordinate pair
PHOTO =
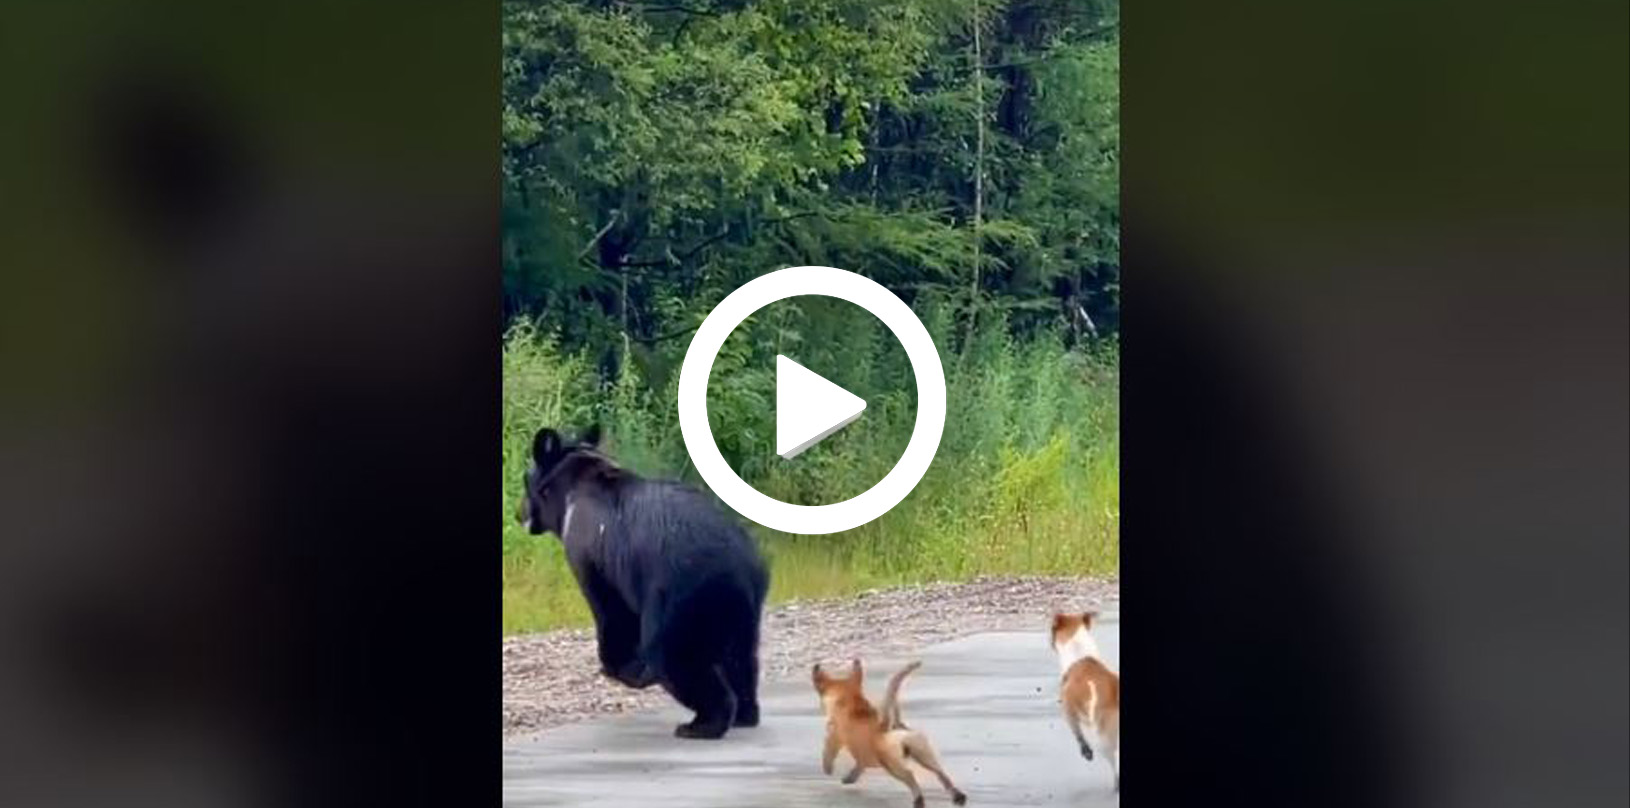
(1090, 691)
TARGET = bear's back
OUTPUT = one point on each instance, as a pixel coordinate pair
(670, 510)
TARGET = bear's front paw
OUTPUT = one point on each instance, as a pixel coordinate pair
(632, 674)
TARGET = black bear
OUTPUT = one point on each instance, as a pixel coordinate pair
(676, 586)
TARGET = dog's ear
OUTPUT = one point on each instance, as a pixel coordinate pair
(545, 445)
(855, 670)
(1059, 619)
(1087, 618)
(590, 437)
(818, 676)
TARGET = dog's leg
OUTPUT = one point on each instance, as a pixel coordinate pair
(829, 753)
(854, 775)
(1110, 737)
(918, 749)
(891, 755)
(1073, 720)
(897, 767)
(1081, 740)
(1115, 763)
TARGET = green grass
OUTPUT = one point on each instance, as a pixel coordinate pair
(1026, 480)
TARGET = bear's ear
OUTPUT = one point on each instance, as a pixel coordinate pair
(590, 437)
(545, 444)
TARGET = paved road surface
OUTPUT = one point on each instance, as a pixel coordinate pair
(988, 702)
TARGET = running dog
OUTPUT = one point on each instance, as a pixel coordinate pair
(875, 737)
(1090, 691)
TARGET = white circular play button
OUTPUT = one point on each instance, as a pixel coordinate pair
(808, 407)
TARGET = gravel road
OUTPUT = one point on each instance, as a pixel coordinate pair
(552, 679)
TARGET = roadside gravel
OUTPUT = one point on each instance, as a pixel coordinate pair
(552, 679)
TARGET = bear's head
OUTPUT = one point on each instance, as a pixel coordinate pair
(559, 466)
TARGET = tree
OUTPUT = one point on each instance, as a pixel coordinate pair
(657, 155)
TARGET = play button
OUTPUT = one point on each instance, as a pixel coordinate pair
(808, 407)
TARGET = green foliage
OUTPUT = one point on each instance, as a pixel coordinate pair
(655, 149)
(658, 155)
(1026, 480)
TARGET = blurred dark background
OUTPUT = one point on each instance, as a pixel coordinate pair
(1375, 425)
(250, 311)
(1375, 397)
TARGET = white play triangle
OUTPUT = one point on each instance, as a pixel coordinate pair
(808, 407)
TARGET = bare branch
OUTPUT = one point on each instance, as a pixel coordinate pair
(615, 215)
(653, 9)
(670, 257)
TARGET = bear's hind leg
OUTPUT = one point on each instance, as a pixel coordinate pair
(741, 673)
(700, 686)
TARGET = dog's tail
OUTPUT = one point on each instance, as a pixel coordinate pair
(890, 709)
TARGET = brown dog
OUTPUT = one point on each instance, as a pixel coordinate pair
(875, 737)
(1090, 691)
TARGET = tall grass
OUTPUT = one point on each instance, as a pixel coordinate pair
(1026, 480)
